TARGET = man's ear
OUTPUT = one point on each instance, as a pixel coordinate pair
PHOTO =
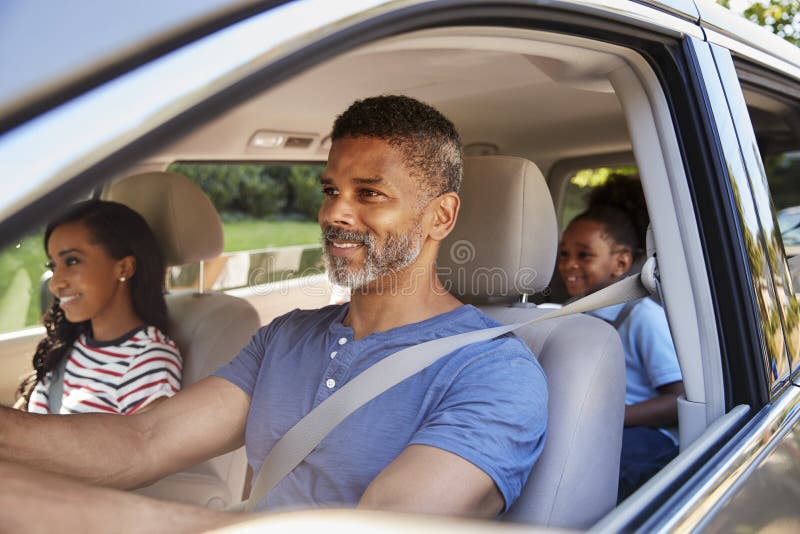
(445, 212)
(623, 262)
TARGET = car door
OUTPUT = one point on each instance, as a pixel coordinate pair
(757, 484)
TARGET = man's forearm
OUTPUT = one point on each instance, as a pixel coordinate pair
(96, 448)
(32, 502)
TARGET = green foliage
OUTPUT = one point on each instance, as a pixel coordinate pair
(579, 186)
(599, 176)
(15, 302)
(255, 190)
(261, 195)
(251, 190)
(21, 267)
(781, 17)
(308, 196)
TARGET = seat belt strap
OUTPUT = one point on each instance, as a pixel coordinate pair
(623, 314)
(307, 433)
(55, 393)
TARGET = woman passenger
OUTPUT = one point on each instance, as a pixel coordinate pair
(105, 349)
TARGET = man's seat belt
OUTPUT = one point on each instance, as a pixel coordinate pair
(306, 434)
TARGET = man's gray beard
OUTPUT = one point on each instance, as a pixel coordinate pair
(398, 252)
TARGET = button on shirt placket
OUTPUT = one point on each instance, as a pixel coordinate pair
(337, 368)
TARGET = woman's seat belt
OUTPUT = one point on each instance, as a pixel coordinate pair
(56, 392)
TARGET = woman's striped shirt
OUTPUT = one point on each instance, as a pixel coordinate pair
(119, 376)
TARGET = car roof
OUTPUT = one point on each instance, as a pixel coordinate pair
(61, 49)
(80, 43)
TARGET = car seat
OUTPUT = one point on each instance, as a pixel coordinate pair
(504, 245)
(209, 328)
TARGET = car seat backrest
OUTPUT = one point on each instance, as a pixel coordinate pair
(505, 244)
(209, 328)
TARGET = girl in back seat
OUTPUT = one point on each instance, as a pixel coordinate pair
(600, 246)
(105, 349)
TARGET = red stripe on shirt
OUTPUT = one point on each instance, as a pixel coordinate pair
(94, 369)
(106, 352)
(136, 406)
(41, 405)
(82, 386)
(156, 359)
(98, 406)
(145, 386)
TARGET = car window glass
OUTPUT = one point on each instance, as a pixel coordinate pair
(775, 122)
(22, 274)
(783, 175)
(578, 187)
(269, 217)
(775, 117)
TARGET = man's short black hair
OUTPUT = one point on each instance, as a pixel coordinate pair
(428, 141)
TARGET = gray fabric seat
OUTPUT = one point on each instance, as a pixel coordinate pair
(505, 245)
(209, 328)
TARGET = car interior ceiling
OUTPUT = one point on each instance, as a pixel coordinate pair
(492, 90)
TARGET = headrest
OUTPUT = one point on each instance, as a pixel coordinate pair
(505, 241)
(183, 219)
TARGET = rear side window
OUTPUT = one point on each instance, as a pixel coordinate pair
(773, 106)
(775, 119)
(580, 185)
(782, 168)
(269, 217)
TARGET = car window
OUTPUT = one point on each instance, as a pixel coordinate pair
(774, 119)
(580, 185)
(269, 224)
(783, 174)
(774, 114)
(22, 275)
(269, 217)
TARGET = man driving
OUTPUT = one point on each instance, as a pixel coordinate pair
(459, 437)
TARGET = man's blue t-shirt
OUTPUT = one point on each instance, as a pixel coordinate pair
(486, 402)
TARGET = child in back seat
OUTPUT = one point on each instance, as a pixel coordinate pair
(600, 246)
